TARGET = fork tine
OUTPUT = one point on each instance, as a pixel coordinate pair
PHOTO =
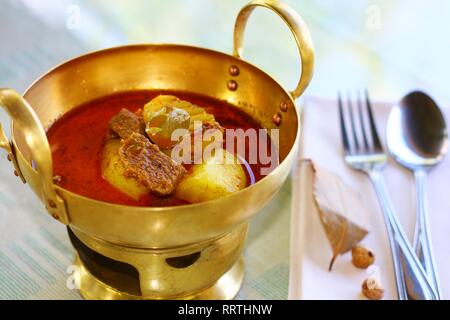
(342, 124)
(352, 122)
(361, 121)
(373, 127)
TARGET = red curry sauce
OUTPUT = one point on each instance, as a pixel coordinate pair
(77, 141)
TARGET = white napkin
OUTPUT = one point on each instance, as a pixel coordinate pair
(310, 251)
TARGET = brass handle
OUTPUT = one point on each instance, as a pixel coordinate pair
(27, 122)
(296, 25)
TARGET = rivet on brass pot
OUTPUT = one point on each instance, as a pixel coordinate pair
(52, 204)
(234, 71)
(232, 85)
(277, 119)
(57, 179)
(285, 106)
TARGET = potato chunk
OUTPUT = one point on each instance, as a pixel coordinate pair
(113, 171)
(212, 179)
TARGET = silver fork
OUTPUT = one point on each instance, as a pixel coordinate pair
(369, 157)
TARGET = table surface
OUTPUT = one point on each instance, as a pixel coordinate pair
(390, 47)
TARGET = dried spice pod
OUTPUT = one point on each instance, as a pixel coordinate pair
(372, 289)
(362, 257)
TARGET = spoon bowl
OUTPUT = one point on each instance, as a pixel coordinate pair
(417, 134)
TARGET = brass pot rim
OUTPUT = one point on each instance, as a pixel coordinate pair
(136, 46)
(181, 47)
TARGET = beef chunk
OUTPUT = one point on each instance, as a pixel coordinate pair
(146, 163)
(125, 123)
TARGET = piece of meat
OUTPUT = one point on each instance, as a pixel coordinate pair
(125, 123)
(146, 163)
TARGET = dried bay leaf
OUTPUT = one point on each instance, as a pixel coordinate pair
(341, 210)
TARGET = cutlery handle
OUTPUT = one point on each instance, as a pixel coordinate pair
(415, 278)
(397, 262)
(422, 240)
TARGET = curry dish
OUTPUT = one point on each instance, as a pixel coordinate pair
(118, 149)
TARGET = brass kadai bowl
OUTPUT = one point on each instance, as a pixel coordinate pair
(183, 252)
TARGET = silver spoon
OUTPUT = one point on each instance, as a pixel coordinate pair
(417, 139)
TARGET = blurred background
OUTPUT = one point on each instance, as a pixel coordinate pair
(389, 47)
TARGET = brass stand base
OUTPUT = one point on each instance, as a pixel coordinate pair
(226, 288)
